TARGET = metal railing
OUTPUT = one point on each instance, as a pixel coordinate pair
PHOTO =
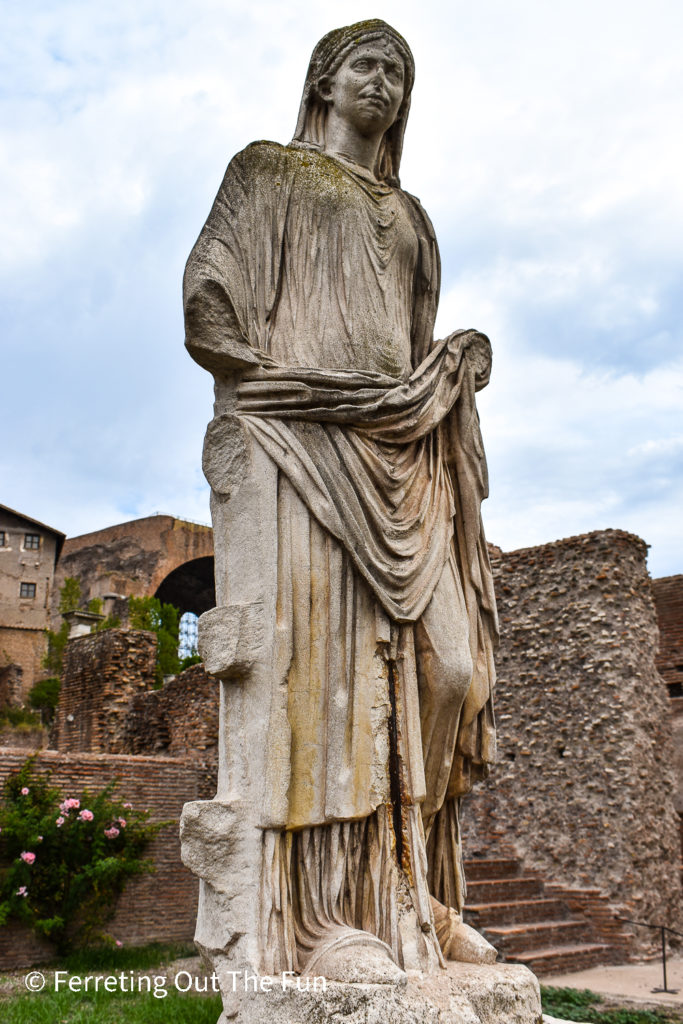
(663, 929)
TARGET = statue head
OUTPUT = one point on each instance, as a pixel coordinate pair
(328, 56)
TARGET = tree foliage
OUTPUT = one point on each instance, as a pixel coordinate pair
(164, 620)
(44, 696)
(69, 595)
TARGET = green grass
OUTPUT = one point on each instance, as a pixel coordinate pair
(583, 1005)
(138, 1006)
(51, 1007)
(126, 958)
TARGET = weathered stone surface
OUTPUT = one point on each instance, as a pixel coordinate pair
(355, 617)
(460, 994)
(230, 639)
(553, 1020)
(584, 728)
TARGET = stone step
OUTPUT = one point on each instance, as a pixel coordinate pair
(562, 959)
(485, 914)
(512, 939)
(525, 925)
(495, 867)
(500, 890)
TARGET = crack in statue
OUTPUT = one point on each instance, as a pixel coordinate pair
(356, 617)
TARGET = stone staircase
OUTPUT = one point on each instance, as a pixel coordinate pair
(525, 924)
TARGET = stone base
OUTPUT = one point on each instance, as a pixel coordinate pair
(461, 994)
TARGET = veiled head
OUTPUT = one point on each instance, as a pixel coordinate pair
(327, 58)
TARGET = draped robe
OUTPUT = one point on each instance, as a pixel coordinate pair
(321, 284)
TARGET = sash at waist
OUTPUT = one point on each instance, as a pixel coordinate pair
(368, 456)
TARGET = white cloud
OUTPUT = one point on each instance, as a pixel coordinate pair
(542, 142)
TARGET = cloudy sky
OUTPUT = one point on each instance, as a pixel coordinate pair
(545, 142)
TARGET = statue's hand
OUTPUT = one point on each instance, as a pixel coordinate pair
(478, 354)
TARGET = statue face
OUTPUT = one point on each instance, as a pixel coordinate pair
(366, 91)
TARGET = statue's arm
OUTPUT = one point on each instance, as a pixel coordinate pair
(213, 335)
(231, 277)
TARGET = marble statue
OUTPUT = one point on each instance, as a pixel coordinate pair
(355, 619)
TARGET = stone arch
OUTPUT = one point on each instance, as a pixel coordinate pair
(141, 558)
(190, 586)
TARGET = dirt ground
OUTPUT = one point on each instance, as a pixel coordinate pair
(629, 983)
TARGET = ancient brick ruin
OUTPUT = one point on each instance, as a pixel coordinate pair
(108, 704)
(583, 791)
(109, 713)
(668, 595)
(158, 555)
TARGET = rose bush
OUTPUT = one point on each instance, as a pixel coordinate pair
(65, 860)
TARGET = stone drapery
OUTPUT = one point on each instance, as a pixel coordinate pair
(320, 286)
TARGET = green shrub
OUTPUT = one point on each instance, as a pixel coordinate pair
(190, 659)
(64, 862)
(162, 619)
(44, 696)
(56, 644)
(584, 1005)
(20, 717)
(126, 958)
(69, 595)
(110, 622)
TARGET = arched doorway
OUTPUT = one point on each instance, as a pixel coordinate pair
(190, 587)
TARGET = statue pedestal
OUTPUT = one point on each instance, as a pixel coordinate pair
(460, 994)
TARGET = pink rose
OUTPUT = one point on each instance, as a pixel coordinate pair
(122, 822)
(24, 790)
(128, 807)
(60, 821)
(22, 891)
(27, 857)
(111, 833)
(86, 815)
(69, 805)
(119, 943)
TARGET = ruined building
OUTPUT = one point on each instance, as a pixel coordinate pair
(29, 551)
(159, 556)
(578, 825)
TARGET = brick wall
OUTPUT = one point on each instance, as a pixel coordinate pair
(10, 686)
(583, 788)
(102, 672)
(23, 737)
(25, 647)
(668, 595)
(133, 558)
(160, 906)
(677, 730)
(180, 719)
